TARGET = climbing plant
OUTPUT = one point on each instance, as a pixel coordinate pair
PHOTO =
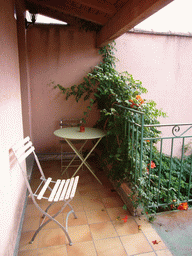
(108, 88)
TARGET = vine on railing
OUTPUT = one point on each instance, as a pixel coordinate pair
(108, 88)
(164, 181)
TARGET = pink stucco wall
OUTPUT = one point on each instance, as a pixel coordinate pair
(62, 55)
(12, 189)
(163, 64)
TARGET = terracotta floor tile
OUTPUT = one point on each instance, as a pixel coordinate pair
(82, 249)
(152, 236)
(25, 239)
(35, 184)
(111, 202)
(107, 192)
(95, 216)
(92, 203)
(31, 210)
(96, 231)
(84, 179)
(126, 228)
(110, 246)
(102, 230)
(135, 244)
(87, 187)
(30, 223)
(76, 204)
(28, 253)
(53, 250)
(117, 212)
(164, 253)
(104, 180)
(80, 233)
(53, 209)
(93, 193)
(51, 237)
(52, 224)
(146, 254)
(144, 223)
(81, 219)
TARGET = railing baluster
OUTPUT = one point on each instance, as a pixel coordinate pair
(136, 146)
(132, 145)
(181, 169)
(128, 136)
(171, 163)
(141, 153)
(190, 173)
(159, 174)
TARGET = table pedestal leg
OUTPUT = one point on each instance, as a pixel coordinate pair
(80, 150)
(84, 159)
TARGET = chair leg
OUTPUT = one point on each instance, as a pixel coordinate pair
(52, 218)
(47, 209)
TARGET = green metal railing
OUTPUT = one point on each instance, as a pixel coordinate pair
(166, 178)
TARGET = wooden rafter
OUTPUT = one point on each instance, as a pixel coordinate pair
(110, 18)
(104, 6)
(76, 9)
(129, 16)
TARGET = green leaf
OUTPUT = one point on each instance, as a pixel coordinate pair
(125, 207)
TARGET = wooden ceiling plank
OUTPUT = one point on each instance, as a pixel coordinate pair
(52, 13)
(104, 6)
(68, 8)
(134, 12)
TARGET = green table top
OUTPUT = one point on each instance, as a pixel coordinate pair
(73, 133)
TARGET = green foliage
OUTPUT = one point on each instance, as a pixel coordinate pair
(121, 153)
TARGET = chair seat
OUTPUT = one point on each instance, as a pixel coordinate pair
(63, 190)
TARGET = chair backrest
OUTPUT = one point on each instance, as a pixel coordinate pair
(70, 122)
(22, 150)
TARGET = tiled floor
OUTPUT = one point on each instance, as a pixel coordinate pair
(96, 231)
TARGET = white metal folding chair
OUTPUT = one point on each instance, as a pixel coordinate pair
(63, 190)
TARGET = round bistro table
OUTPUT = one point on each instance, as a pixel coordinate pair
(73, 133)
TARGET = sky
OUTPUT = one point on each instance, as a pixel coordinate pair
(175, 17)
(43, 19)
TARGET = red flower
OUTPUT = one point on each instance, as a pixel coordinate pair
(125, 219)
(152, 166)
(133, 104)
(155, 242)
(138, 97)
(183, 206)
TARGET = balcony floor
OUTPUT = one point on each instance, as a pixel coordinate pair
(97, 230)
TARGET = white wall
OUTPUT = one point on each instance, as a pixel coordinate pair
(11, 183)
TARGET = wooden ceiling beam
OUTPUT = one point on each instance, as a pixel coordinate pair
(53, 13)
(104, 6)
(134, 12)
(81, 12)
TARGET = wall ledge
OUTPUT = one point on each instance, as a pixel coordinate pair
(124, 192)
